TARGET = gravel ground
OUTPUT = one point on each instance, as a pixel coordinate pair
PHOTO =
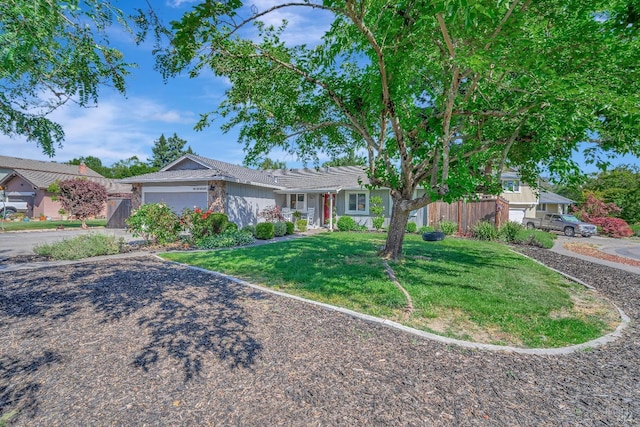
(141, 342)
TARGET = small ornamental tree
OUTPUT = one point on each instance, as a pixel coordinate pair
(603, 215)
(82, 198)
(271, 214)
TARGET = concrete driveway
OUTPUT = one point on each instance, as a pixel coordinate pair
(14, 243)
(626, 248)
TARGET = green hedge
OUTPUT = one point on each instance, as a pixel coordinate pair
(264, 231)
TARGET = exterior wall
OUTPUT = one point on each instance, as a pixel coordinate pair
(136, 196)
(554, 208)
(244, 202)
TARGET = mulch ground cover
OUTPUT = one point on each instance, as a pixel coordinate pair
(143, 342)
(593, 251)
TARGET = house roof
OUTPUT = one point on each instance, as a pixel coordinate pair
(322, 179)
(42, 174)
(281, 180)
(549, 197)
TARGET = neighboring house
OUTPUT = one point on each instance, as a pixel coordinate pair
(194, 181)
(28, 181)
(549, 202)
(522, 198)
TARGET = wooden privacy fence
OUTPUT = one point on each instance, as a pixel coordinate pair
(118, 210)
(468, 213)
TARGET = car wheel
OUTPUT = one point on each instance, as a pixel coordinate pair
(530, 226)
(569, 231)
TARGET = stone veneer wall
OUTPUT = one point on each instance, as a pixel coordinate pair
(136, 196)
(217, 198)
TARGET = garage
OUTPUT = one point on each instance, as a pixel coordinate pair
(177, 198)
(516, 215)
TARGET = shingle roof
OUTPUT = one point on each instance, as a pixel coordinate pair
(42, 174)
(343, 177)
(214, 170)
(549, 197)
(279, 179)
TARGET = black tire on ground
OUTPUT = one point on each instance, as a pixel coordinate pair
(530, 226)
(6, 213)
(433, 236)
(569, 231)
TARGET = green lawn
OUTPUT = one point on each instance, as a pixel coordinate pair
(479, 291)
(45, 225)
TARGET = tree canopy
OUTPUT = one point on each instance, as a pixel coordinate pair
(441, 95)
(82, 198)
(166, 150)
(52, 53)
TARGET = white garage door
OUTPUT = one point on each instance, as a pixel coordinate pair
(516, 215)
(178, 201)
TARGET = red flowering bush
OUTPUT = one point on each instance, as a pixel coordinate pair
(82, 198)
(271, 214)
(612, 227)
(203, 223)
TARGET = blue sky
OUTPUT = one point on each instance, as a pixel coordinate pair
(120, 127)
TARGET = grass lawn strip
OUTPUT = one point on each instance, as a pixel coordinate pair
(50, 225)
(409, 308)
(464, 289)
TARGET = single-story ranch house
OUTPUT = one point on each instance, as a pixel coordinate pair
(28, 180)
(194, 181)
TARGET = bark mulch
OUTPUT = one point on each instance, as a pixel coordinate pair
(138, 341)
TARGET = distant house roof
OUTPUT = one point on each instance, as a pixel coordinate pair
(196, 168)
(549, 197)
(42, 174)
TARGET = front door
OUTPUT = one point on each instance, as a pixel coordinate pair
(326, 212)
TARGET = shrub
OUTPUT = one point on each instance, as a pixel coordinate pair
(82, 198)
(448, 227)
(279, 229)
(231, 226)
(425, 229)
(636, 229)
(484, 230)
(154, 222)
(510, 230)
(83, 246)
(538, 238)
(301, 225)
(227, 238)
(271, 214)
(612, 227)
(377, 211)
(412, 227)
(290, 227)
(346, 223)
(264, 231)
(201, 223)
(250, 228)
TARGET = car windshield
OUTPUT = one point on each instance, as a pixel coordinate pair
(570, 218)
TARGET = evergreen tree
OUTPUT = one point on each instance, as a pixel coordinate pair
(166, 150)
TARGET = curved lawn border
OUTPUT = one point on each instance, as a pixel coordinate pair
(610, 337)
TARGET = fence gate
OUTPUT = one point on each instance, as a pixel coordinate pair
(118, 210)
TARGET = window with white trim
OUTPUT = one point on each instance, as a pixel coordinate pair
(543, 207)
(298, 201)
(511, 186)
(356, 202)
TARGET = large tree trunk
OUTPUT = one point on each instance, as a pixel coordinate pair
(395, 237)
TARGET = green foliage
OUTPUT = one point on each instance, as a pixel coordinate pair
(448, 227)
(412, 227)
(301, 225)
(231, 226)
(226, 239)
(130, 167)
(264, 231)
(349, 159)
(167, 150)
(636, 229)
(51, 53)
(290, 227)
(268, 163)
(201, 223)
(250, 228)
(377, 211)
(279, 229)
(484, 230)
(620, 186)
(425, 229)
(510, 230)
(538, 238)
(155, 223)
(346, 223)
(83, 246)
(443, 98)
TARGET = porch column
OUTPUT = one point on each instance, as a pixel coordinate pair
(331, 213)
